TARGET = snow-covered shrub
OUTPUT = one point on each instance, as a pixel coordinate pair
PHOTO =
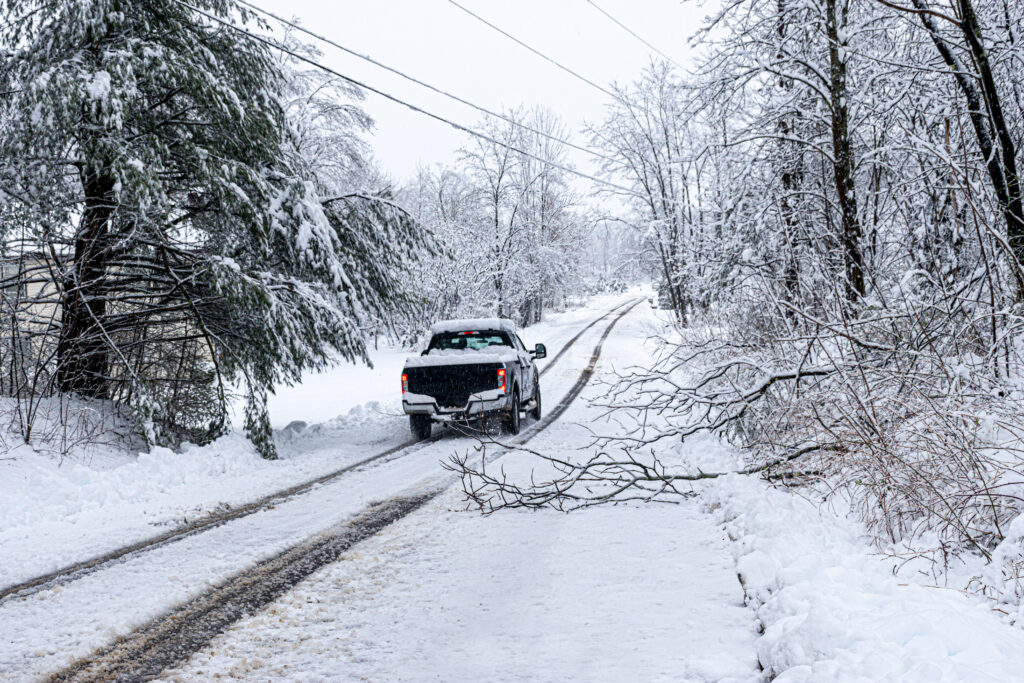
(1003, 579)
(907, 411)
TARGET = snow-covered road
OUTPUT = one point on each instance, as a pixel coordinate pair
(616, 594)
(613, 594)
(45, 631)
(57, 512)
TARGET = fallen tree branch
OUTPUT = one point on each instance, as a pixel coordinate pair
(600, 479)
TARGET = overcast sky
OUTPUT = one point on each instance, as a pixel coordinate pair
(438, 43)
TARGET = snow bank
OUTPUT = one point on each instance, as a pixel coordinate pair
(369, 423)
(832, 611)
(56, 511)
(1003, 578)
(322, 395)
(37, 489)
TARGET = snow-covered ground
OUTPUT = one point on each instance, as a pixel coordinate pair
(630, 592)
(44, 631)
(834, 611)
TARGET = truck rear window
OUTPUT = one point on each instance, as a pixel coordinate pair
(468, 341)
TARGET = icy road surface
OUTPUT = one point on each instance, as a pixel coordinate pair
(615, 594)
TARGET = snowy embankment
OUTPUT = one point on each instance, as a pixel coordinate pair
(55, 513)
(58, 510)
(833, 610)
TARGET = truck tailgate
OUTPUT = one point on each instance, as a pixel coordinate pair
(451, 385)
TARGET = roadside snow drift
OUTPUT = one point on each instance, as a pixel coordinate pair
(833, 612)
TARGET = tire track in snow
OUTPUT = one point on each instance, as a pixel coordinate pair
(172, 638)
(70, 573)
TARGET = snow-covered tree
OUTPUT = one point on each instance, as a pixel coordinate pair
(834, 196)
(179, 208)
(508, 219)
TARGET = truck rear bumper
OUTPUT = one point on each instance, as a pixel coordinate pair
(478, 404)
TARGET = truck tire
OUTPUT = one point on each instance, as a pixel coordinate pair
(420, 425)
(514, 416)
(536, 413)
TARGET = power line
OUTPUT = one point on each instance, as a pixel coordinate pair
(413, 107)
(630, 32)
(536, 51)
(432, 88)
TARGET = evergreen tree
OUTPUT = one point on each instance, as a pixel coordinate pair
(172, 202)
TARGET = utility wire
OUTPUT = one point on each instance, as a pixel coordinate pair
(535, 51)
(432, 88)
(413, 107)
(630, 32)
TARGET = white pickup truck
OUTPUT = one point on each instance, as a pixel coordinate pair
(472, 369)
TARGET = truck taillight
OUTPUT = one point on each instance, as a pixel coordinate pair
(501, 379)
(405, 382)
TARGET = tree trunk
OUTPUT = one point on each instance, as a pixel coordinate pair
(1013, 209)
(81, 349)
(842, 156)
(986, 113)
(791, 175)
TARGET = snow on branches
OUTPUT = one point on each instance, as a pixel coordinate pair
(831, 204)
(171, 228)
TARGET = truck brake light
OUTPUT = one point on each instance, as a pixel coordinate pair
(405, 382)
(501, 379)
